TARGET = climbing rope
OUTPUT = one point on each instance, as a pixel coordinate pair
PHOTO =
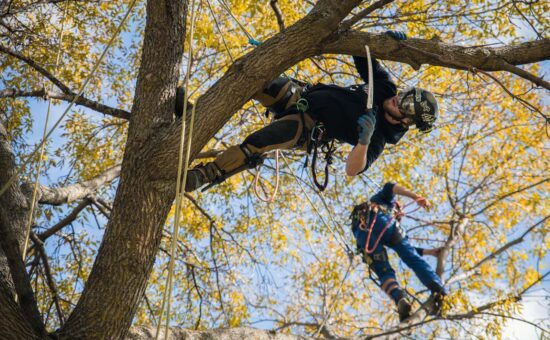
(257, 177)
(182, 170)
(339, 239)
(251, 39)
(43, 146)
(84, 84)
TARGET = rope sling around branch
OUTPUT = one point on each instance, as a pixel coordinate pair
(182, 170)
(86, 81)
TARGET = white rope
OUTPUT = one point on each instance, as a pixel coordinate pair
(43, 146)
(166, 299)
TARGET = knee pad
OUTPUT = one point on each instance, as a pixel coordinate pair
(278, 132)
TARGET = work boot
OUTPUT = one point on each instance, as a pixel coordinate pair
(201, 175)
(437, 298)
(403, 309)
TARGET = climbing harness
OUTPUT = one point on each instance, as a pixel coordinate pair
(319, 142)
(181, 178)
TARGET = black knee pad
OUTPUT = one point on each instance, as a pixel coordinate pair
(278, 132)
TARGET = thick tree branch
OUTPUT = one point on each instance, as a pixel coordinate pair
(78, 191)
(246, 76)
(12, 320)
(68, 97)
(416, 52)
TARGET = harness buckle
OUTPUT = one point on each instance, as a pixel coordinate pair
(317, 132)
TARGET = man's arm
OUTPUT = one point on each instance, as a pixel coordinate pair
(421, 201)
(361, 155)
(379, 73)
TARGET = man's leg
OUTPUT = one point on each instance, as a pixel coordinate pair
(386, 277)
(421, 268)
(280, 134)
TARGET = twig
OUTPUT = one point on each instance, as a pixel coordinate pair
(49, 277)
(348, 23)
(278, 14)
(65, 221)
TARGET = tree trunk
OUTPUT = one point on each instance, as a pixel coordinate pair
(126, 256)
(13, 218)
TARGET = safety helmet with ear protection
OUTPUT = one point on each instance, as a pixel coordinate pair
(419, 105)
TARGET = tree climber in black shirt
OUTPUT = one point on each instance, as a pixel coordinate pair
(302, 111)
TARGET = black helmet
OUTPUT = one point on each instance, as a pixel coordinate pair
(279, 94)
(421, 106)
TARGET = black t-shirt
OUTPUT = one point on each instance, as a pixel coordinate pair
(339, 108)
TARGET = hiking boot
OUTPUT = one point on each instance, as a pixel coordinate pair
(201, 175)
(403, 309)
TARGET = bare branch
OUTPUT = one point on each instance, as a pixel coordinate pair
(350, 22)
(37, 67)
(49, 277)
(65, 221)
(278, 14)
(68, 97)
(71, 193)
(474, 269)
(508, 194)
(511, 94)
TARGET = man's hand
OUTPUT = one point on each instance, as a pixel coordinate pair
(366, 127)
(397, 35)
(421, 201)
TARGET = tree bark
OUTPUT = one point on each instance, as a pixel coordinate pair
(126, 256)
(13, 218)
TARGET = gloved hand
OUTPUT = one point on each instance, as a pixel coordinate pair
(397, 35)
(366, 127)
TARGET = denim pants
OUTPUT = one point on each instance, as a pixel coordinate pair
(408, 254)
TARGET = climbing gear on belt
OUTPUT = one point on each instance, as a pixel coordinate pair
(361, 215)
(419, 105)
(280, 95)
(318, 141)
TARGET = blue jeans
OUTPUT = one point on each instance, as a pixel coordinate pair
(381, 266)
